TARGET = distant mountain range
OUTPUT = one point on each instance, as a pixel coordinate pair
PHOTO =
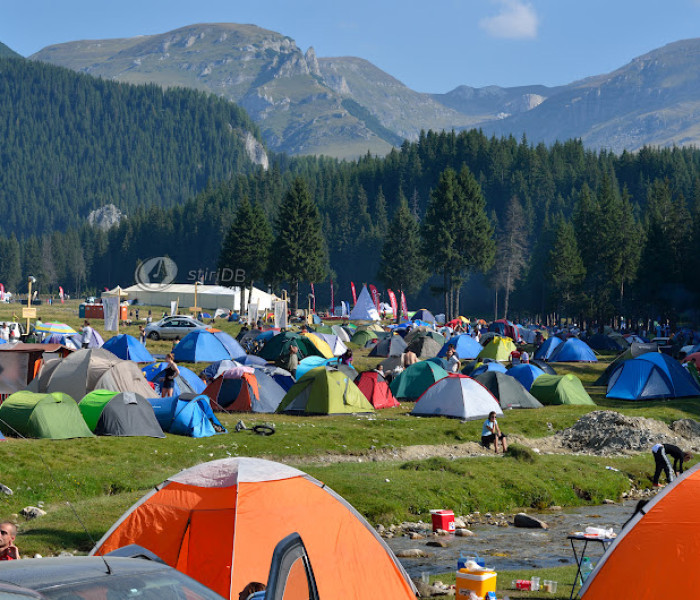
(346, 106)
(6, 52)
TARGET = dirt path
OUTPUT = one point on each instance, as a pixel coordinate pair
(601, 433)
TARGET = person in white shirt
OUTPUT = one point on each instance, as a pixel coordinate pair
(452, 359)
(87, 334)
(5, 332)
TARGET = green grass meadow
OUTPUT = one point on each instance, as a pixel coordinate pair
(97, 479)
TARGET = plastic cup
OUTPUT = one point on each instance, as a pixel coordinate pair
(554, 587)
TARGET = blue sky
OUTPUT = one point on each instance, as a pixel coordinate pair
(430, 45)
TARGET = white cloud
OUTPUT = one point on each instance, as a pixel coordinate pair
(516, 20)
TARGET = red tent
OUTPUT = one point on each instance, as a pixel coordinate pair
(373, 385)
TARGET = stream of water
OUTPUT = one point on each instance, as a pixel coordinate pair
(507, 548)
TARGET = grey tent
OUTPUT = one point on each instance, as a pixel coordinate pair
(391, 346)
(636, 349)
(125, 414)
(424, 346)
(508, 390)
(88, 370)
(341, 333)
(548, 369)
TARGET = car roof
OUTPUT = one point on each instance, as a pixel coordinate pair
(40, 573)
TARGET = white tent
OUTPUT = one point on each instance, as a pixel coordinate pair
(364, 310)
(457, 396)
(209, 297)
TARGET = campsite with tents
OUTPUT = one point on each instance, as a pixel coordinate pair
(391, 448)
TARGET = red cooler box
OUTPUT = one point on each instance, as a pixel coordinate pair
(443, 519)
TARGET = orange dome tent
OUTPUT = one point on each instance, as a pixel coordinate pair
(658, 551)
(220, 521)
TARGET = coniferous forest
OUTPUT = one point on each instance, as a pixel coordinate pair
(560, 230)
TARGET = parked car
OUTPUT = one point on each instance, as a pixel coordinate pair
(134, 572)
(170, 328)
(97, 577)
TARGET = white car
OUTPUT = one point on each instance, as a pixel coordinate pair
(173, 327)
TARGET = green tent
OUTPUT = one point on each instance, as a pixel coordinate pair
(499, 348)
(560, 389)
(279, 346)
(324, 391)
(363, 336)
(414, 380)
(325, 329)
(54, 416)
(92, 405)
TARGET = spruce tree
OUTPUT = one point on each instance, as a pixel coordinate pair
(299, 249)
(245, 251)
(566, 269)
(402, 265)
(512, 249)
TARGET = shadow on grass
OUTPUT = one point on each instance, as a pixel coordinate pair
(58, 539)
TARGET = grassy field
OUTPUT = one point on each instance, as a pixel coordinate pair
(101, 477)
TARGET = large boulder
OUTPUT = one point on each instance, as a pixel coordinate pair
(528, 522)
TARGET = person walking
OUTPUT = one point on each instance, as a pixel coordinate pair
(87, 334)
(169, 374)
(661, 452)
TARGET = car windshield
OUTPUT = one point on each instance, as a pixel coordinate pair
(125, 587)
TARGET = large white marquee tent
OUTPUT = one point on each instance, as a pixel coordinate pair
(208, 296)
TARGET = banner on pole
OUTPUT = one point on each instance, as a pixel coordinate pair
(280, 308)
(354, 294)
(111, 312)
(253, 313)
(375, 296)
(404, 307)
(313, 298)
(394, 304)
(332, 300)
(173, 307)
(61, 295)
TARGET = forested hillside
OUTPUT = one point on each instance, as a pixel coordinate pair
(602, 234)
(71, 143)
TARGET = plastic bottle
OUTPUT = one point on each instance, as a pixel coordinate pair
(586, 568)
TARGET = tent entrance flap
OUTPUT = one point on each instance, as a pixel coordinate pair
(210, 548)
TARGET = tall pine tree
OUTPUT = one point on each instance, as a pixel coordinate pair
(245, 252)
(299, 249)
(402, 264)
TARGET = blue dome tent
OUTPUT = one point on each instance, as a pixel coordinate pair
(651, 375)
(573, 350)
(186, 382)
(465, 345)
(127, 347)
(201, 345)
(187, 414)
(525, 374)
(544, 352)
(234, 348)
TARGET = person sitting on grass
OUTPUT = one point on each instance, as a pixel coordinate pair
(491, 434)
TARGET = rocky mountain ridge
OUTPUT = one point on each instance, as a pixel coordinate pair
(345, 106)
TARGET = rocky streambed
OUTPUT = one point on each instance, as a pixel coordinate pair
(503, 545)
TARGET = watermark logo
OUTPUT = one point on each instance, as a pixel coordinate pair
(156, 274)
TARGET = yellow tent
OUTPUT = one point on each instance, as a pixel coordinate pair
(321, 345)
(499, 348)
